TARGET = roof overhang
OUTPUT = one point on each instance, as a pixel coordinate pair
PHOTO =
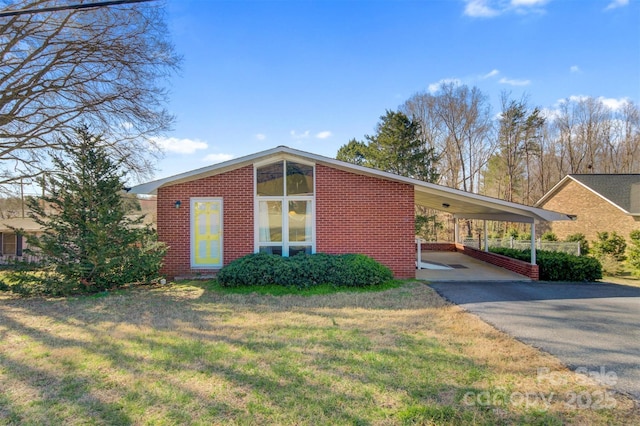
(459, 203)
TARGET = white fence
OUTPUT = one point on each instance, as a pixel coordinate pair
(566, 247)
(6, 259)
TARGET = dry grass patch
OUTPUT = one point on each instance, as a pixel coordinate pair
(183, 354)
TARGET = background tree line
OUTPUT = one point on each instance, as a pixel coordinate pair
(452, 137)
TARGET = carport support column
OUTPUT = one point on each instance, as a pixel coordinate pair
(486, 237)
(456, 231)
(533, 243)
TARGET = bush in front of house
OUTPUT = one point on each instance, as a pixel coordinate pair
(610, 244)
(633, 258)
(304, 271)
(557, 266)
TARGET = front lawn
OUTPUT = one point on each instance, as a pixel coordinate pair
(191, 354)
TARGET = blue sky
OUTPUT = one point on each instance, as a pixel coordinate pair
(314, 74)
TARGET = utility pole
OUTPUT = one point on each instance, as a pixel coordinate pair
(22, 196)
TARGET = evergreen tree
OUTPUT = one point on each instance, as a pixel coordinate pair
(396, 147)
(89, 244)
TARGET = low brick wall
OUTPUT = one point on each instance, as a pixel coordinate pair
(517, 266)
(437, 246)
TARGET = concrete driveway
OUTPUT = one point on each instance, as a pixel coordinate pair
(593, 326)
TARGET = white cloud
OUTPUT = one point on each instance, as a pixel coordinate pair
(479, 9)
(550, 113)
(492, 73)
(434, 87)
(493, 8)
(575, 98)
(217, 158)
(514, 82)
(616, 4)
(528, 3)
(180, 146)
(304, 135)
(575, 68)
(614, 104)
(261, 136)
(324, 135)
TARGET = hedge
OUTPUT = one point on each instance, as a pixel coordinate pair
(557, 266)
(304, 271)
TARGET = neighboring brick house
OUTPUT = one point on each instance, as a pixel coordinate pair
(284, 201)
(12, 243)
(598, 202)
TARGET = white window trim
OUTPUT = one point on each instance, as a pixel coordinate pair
(192, 237)
(285, 243)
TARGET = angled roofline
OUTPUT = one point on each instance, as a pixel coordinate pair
(512, 211)
(570, 177)
(553, 190)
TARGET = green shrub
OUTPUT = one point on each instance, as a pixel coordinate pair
(358, 270)
(557, 266)
(579, 238)
(634, 252)
(549, 236)
(304, 271)
(610, 244)
(524, 237)
(511, 232)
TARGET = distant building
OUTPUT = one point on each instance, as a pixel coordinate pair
(599, 202)
(13, 244)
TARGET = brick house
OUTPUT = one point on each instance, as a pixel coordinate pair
(12, 243)
(285, 201)
(598, 203)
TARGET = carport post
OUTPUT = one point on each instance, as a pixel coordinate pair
(456, 231)
(533, 243)
(486, 238)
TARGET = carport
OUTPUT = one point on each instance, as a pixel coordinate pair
(465, 205)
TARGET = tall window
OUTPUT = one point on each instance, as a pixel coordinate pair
(284, 202)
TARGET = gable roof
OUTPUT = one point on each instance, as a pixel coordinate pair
(25, 223)
(621, 190)
(460, 203)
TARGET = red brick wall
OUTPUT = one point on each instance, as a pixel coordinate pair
(367, 215)
(437, 246)
(354, 214)
(236, 189)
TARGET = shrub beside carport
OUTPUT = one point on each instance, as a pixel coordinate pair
(557, 266)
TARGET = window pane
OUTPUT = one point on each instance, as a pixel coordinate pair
(9, 244)
(300, 221)
(293, 250)
(270, 179)
(271, 250)
(299, 179)
(270, 221)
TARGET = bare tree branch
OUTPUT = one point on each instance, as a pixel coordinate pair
(103, 66)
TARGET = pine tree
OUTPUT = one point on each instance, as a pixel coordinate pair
(396, 147)
(89, 244)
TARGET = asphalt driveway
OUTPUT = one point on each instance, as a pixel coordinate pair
(593, 327)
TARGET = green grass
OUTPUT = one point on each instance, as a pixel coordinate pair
(191, 353)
